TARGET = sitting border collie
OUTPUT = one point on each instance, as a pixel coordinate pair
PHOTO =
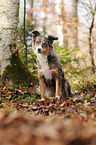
(50, 71)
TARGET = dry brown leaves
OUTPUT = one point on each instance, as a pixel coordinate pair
(53, 121)
(24, 129)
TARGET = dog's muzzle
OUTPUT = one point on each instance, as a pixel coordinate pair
(39, 50)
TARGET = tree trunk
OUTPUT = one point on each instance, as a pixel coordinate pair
(44, 12)
(63, 19)
(75, 20)
(29, 14)
(8, 25)
(91, 47)
(59, 22)
(12, 67)
(24, 34)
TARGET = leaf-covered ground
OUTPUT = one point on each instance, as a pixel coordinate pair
(25, 119)
(18, 129)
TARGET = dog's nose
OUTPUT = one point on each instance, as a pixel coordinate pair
(39, 50)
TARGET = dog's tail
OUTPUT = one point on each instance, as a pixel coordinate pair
(67, 88)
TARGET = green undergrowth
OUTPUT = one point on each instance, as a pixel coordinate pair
(83, 82)
(17, 71)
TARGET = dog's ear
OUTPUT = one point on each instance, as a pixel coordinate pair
(52, 38)
(35, 34)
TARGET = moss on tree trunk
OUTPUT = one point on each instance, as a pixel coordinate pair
(17, 72)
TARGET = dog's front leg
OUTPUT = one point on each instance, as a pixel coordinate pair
(42, 84)
(57, 82)
(42, 87)
(58, 90)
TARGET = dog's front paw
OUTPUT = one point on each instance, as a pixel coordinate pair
(58, 97)
(42, 99)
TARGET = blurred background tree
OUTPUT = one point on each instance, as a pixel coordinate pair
(90, 24)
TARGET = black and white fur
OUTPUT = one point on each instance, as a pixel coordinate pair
(50, 71)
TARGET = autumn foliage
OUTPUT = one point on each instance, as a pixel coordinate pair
(25, 119)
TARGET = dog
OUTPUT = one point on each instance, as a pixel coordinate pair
(50, 71)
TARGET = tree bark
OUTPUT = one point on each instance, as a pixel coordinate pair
(24, 32)
(75, 20)
(59, 22)
(9, 23)
(8, 27)
(12, 67)
(29, 14)
(63, 19)
(44, 18)
(91, 48)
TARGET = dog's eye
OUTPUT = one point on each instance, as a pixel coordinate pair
(38, 42)
(44, 44)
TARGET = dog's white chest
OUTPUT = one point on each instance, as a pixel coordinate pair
(44, 66)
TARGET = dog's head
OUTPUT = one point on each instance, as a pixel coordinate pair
(42, 44)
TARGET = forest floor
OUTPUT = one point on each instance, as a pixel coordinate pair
(25, 119)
